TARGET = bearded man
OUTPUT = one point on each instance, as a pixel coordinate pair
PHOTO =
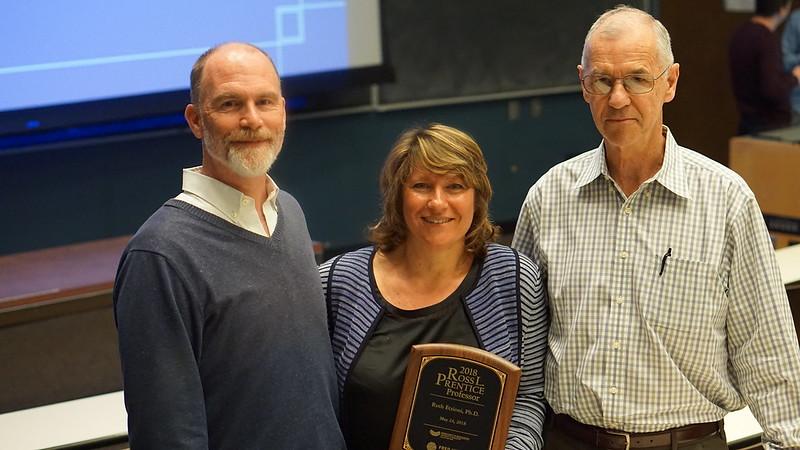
(218, 303)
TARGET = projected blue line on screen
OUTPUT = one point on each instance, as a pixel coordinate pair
(82, 50)
(102, 61)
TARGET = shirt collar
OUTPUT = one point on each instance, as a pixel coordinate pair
(220, 195)
(595, 167)
(671, 175)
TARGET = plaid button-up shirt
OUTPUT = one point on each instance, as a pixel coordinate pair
(667, 306)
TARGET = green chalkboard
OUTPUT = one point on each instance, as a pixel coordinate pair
(454, 48)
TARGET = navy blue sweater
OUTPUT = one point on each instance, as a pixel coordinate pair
(223, 335)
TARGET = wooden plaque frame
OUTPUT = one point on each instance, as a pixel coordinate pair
(455, 397)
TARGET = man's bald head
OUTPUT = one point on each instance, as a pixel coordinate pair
(196, 76)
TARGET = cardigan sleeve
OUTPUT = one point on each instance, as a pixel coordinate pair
(525, 431)
(325, 277)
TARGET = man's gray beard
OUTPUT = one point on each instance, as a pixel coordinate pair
(251, 162)
(242, 160)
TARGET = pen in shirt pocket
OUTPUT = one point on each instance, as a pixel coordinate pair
(664, 261)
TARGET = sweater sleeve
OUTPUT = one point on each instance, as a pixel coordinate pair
(160, 333)
(525, 431)
(776, 85)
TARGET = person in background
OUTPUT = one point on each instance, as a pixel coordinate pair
(761, 86)
(432, 275)
(667, 306)
(221, 318)
(790, 44)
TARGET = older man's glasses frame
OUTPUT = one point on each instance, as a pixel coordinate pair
(635, 83)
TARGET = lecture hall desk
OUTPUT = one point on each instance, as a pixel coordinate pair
(56, 324)
(770, 163)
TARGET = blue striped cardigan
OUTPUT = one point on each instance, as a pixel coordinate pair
(507, 309)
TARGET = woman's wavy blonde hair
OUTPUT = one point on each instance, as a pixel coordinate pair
(441, 150)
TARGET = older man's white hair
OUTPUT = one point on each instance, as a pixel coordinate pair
(614, 28)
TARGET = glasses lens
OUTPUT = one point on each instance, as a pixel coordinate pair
(598, 84)
(638, 84)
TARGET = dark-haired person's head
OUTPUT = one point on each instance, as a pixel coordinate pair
(769, 8)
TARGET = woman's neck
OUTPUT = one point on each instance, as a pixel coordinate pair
(414, 276)
(423, 262)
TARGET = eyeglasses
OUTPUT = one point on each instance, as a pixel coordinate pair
(635, 83)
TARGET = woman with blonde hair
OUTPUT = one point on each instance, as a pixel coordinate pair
(432, 275)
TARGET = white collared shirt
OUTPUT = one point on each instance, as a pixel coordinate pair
(216, 197)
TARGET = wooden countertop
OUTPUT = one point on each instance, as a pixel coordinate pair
(59, 274)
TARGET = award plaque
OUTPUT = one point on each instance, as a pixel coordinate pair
(455, 397)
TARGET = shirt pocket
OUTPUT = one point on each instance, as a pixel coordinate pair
(685, 296)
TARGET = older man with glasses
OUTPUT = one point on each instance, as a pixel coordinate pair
(667, 305)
